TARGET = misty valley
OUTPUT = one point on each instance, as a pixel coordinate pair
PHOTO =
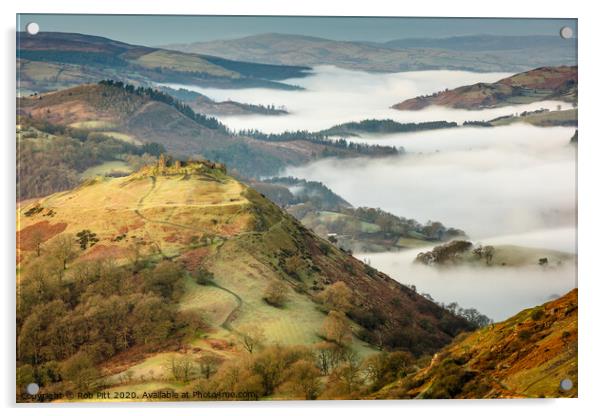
(496, 184)
(289, 217)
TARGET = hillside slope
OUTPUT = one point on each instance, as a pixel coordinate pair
(546, 83)
(191, 217)
(199, 203)
(527, 355)
(146, 116)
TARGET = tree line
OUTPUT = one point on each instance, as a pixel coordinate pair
(73, 315)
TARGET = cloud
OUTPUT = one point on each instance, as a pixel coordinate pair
(487, 181)
(504, 185)
(335, 96)
(497, 292)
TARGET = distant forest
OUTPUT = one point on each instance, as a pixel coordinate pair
(319, 138)
(385, 126)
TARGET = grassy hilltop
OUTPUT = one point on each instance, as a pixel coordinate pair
(208, 267)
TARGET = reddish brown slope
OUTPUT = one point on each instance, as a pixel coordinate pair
(546, 83)
(527, 355)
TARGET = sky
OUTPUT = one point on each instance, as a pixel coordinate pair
(161, 30)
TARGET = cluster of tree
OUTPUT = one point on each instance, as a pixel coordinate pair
(324, 371)
(385, 126)
(321, 139)
(53, 164)
(476, 123)
(269, 109)
(71, 316)
(456, 251)
(392, 224)
(444, 253)
(470, 314)
(276, 294)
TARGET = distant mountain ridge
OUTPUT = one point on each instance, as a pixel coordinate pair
(483, 42)
(485, 53)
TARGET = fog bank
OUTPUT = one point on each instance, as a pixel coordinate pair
(497, 292)
(334, 95)
(486, 181)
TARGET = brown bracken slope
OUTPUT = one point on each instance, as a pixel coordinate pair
(528, 355)
(546, 83)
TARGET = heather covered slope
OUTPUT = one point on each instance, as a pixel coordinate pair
(525, 356)
(546, 83)
(211, 248)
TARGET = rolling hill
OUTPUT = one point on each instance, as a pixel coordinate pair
(55, 60)
(470, 53)
(546, 83)
(142, 116)
(526, 356)
(193, 253)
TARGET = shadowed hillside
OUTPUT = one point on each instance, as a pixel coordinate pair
(527, 355)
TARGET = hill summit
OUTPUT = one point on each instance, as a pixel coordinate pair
(219, 257)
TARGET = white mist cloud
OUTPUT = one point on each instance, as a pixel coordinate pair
(334, 95)
(503, 185)
(487, 181)
(495, 291)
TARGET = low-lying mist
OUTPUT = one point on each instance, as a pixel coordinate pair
(495, 291)
(486, 181)
(502, 185)
(333, 96)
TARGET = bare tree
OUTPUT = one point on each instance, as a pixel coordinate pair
(252, 337)
(208, 365)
